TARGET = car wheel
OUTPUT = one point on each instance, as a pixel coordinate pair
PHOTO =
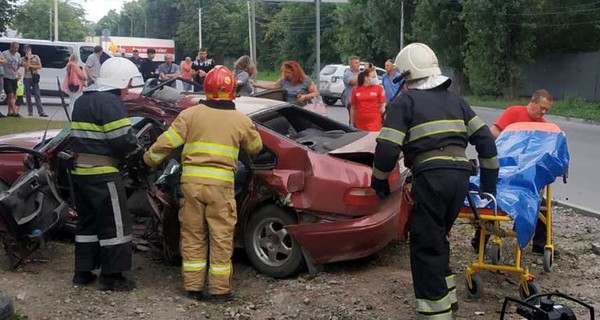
(270, 247)
(329, 100)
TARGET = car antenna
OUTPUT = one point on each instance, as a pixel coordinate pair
(47, 127)
(62, 99)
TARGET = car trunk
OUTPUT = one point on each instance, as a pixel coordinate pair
(360, 151)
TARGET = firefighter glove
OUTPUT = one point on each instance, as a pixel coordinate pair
(382, 187)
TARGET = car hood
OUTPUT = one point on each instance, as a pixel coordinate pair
(365, 144)
(28, 139)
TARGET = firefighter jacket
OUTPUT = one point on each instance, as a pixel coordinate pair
(211, 134)
(425, 122)
(101, 127)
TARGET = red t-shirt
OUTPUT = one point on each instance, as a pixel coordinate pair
(515, 114)
(366, 101)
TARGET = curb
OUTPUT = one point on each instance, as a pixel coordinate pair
(550, 117)
(579, 209)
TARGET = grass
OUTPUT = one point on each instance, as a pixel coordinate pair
(571, 106)
(17, 125)
(271, 76)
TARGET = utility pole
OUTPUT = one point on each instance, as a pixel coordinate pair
(402, 25)
(55, 20)
(318, 8)
(50, 24)
(250, 30)
(254, 57)
(199, 27)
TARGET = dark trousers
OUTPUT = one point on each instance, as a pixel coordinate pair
(539, 237)
(33, 88)
(103, 235)
(438, 195)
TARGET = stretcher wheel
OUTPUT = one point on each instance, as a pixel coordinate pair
(476, 292)
(548, 260)
(495, 253)
(533, 289)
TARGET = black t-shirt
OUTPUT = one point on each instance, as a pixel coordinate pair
(138, 62)
(148, 69)
(205, 66)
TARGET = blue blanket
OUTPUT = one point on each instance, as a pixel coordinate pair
(529, 160)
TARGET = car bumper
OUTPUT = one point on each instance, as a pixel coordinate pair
(330, 94)
(327, 242)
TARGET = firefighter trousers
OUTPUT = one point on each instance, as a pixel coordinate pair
(207, 217)
(438, 196)
(103, 233)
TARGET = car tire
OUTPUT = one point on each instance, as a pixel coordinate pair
(6, 307)
(270, 247)
(330, 101)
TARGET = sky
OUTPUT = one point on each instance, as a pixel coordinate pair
(96, 9)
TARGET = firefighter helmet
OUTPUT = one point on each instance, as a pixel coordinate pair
(115, 73)
(423, 65)
(219, 84)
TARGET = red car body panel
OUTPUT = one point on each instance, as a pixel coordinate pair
(350, 239)
(305, 181)
(11, 164)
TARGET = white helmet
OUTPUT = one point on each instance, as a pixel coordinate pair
(115, 73)
(423, 65)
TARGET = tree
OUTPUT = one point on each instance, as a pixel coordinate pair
(7, 9)
(291, 35)
(371, 29)
(32, 20)
(496, 45)
(224, 27)
(110, 21)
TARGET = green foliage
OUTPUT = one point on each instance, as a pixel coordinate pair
(224, 27)
(437, 24)
(496, 44)
(7, 9)
(17, 125)
(110, 21)
(370, 29)
(32, 20)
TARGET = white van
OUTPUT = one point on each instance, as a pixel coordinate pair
(55, 56)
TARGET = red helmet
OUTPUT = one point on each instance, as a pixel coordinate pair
(219, 84)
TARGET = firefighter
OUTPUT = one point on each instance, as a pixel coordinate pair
(211, 134)
(102, 135)
(432, 126)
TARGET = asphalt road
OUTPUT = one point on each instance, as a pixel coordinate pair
(580, 190)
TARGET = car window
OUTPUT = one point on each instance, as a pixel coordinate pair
(307, 128)
(380, 73)
(52, 56)
(84, 52)
(328, 70)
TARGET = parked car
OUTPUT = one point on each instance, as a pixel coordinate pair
(54, 56)
(332, 81)
(307, 200)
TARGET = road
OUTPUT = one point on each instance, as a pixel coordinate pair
(580, 191)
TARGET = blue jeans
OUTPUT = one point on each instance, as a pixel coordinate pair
(34, 88)
(241, 175)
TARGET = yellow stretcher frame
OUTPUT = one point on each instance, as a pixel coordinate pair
(527, 286)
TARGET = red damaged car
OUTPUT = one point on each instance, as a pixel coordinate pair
(306, 201)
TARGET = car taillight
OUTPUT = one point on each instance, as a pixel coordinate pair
(361, 197)
(394, 180)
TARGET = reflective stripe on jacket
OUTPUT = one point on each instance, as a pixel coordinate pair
(211, 139)
(101, 127)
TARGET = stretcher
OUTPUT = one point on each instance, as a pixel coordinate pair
(498, 225)
(531, 156)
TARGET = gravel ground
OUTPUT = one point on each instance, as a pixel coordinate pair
(377, 287)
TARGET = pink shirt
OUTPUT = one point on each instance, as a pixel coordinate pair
(186, 70)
